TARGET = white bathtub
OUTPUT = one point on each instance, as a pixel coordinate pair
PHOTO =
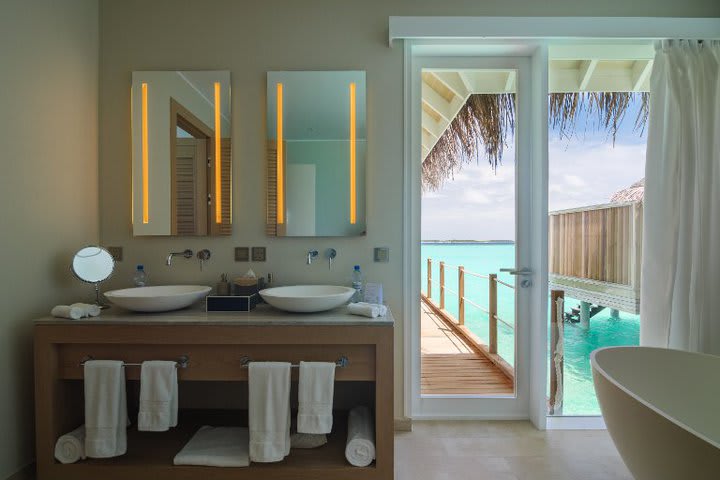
(662, 409)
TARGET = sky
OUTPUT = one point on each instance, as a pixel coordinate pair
(479, 203)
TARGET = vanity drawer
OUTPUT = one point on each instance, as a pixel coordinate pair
(219, 362)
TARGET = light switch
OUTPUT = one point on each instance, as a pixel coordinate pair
(381, 254)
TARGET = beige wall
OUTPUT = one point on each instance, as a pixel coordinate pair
(48, 186)
(249, 39)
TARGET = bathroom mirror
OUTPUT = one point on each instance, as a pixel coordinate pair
(93, 264)
(181, 153)
(316, 154)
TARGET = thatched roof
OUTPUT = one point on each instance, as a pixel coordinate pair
(633, 193)
(483, 124)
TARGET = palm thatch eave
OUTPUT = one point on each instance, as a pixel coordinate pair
(485, 120)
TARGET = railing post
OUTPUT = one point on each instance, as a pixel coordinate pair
(442, 285)
(554, 337)
(429, 278)
(492, 313)
(461, 295)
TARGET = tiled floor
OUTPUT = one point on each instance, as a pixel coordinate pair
(501, 450)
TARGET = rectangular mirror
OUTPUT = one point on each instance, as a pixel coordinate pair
(316, 154)
(181, 153)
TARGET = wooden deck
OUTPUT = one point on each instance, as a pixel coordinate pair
(450, 366)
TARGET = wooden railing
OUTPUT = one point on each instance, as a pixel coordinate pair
(491, 349)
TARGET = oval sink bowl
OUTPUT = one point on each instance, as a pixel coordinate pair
(157, 299)
(307, 298)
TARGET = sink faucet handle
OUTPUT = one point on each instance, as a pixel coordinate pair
(330, 254)
(310, 255)
(203, 255)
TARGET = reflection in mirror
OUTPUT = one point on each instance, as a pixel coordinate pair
(93, 264)
(182, 164)
(316, 153)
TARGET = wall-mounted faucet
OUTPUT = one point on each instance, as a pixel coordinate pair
(187, 254)
(310, 255)
(330, 254)
(203, 255)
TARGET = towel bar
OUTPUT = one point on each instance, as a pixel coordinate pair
(341, 362)
(181, 362)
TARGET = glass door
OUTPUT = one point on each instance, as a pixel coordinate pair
(471, 124)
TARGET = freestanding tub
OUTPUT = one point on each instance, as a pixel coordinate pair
(662, 409)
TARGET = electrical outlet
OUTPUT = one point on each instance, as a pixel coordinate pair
(259, 254)
(381, 254)
(242, 254)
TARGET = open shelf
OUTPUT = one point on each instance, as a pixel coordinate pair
(154, 452)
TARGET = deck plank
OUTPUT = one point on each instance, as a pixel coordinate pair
(451, 367)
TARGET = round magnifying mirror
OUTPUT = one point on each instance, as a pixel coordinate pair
(93, 264)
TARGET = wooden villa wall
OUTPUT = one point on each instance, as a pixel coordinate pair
(600, 243)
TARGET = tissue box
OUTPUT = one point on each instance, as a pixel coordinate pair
(231, 303)
(245, 286)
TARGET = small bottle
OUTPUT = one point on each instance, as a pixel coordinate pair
(140, 278)
(357, 284)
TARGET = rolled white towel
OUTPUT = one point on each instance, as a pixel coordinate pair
(71, 447)
(88, 309)
(371, 310)
(67, 311)
(360, 447)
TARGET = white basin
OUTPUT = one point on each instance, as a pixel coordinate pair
(307, 298)
(157, 299)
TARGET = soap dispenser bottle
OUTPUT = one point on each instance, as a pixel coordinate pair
(140, 278)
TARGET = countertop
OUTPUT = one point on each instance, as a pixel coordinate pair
(263, 315)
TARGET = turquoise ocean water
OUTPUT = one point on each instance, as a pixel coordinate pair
(579, 393)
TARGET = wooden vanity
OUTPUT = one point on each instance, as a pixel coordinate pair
(215, 344)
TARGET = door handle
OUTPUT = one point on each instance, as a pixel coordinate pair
(515, 271)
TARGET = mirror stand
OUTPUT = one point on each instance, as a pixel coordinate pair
(98, 302)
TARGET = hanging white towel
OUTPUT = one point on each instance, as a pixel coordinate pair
(269, 411)
(216, 447)
(105, 409)
(371, 310)
(315, 397)
(158, 396)
(360, 447)
(71, 447)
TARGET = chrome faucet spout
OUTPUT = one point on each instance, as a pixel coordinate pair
(186, 253)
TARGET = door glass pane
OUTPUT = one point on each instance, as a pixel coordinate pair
(468, 232)
(596, 184)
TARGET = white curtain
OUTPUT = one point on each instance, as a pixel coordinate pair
(680, 297)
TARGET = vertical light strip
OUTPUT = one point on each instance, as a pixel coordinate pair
(145, 160)
(218, 157)
(279, 152)
(353, 175)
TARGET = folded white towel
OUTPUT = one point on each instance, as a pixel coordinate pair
(67, 311)
(105, 409)
(158, 396)
(315, 397)
(360, 447)
(371, 310)
(88, 309)
(216, 447)
(269, 411)
(307, 440)
(71, 447)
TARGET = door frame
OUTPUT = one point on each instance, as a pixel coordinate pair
(505, 34)
(420, 55)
